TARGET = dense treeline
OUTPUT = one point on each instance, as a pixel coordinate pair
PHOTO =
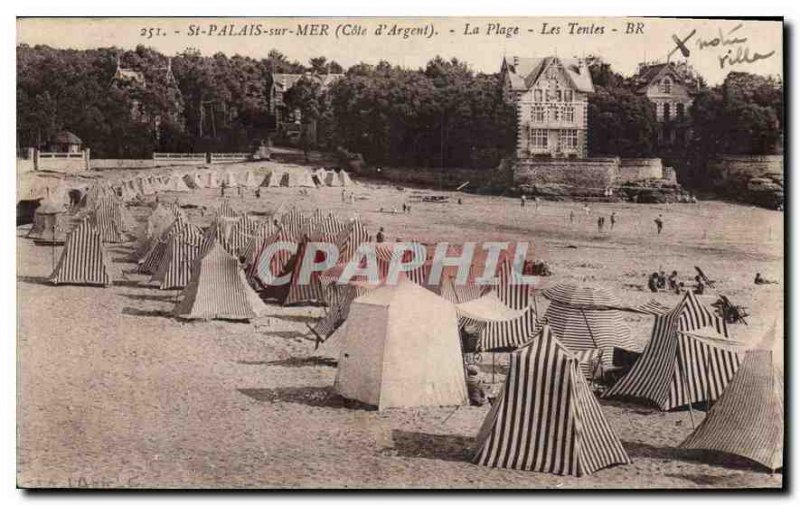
(215, 103)
(742, 115)
(441, 115)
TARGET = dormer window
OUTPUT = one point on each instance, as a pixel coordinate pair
(537, 95)
(666, 85)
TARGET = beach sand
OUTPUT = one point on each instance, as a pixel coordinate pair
(114, 392)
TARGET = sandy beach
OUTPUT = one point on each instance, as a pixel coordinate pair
(115, 392)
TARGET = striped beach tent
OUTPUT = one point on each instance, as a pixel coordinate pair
(158, 221)
(294, 223)
(353, 235)
(107, 218)
(268, 268)
(298, 291)
(254, 246)
(339, 297)
(401, 349)
(678, 368)
(747, 420)
(546, 419)
(150, 261)
(218, 290)
(582, 318)
(500, 328)
(82, 260)
(183, 247)
(241, 232)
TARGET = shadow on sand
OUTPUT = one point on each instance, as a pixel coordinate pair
(295, 362)
(27, 279)
(412, 444)
(305, 395)
(130, 311)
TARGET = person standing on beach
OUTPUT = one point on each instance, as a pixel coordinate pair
(600, 224)
(380, 237)
(571, 216)
(613, 219)
(659, 224)
(522, 201)
(222, 188)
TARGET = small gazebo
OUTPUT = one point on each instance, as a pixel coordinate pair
(66, 142)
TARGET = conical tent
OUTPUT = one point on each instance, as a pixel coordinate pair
(546, 419)
(677, 368)
(299, 178)
(344, 179)
(82, 260)
(218, 290)
(271, 180)
(211, 180)
(249, 180)
(150, 261)
(175, 269)
(748, 418)
(332, 179)
(230, 179)
(176, 184)
(318, 176)
(402, 349)
(107, 219)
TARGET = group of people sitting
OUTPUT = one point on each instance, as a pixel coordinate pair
(659, 281)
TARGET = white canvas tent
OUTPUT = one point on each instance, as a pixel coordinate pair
(401, 349)
(271, 180)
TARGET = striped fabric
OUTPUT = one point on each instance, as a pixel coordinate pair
(82, 260)
(350, 239)
(217, 290)
(150, 261)
(579, 295)
(581, 329)
(268, 269)
(516, 296)
(107, 218)
(303, 292)
(294, 224)
(748, 418)
(505, 335)
(546, 419)
(240, 234)
(175, 269)
(676, 368)
(224, 209)
(339, 297)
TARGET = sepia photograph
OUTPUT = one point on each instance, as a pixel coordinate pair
(511, 253)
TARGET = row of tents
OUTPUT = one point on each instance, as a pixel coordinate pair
(147, 185)
(399, 345)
